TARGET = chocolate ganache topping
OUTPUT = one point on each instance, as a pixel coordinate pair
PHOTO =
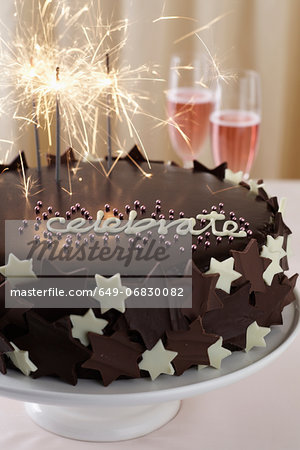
(181, 193)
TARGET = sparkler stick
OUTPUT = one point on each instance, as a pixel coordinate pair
(26, 181)
(57, 162)
(109, 155)
(36, 132)
(36, 137)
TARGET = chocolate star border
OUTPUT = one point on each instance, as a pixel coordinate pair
(15, 164)
(280, 283)
(231, 321)
(52, 349)
(277, 296)
(191, 346)
(218, 171)
(114, 356)
(251, 265)
(152, 323)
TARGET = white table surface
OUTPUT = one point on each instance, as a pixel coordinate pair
(261, 412)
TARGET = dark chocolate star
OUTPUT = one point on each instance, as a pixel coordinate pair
(262, 194)
(52, 349)
(15, 164)
(133, 154)
(114, 356)
(68, 157)
(191, 346)
(251, 265)
(204, 294)
(276, 297)
(231, 322)
(273, 204)
(4, 348)
(121, 325)
(218, 171)
(136, 154)
(291, 282)
(152, 323)
(280, 228)
(245, 185)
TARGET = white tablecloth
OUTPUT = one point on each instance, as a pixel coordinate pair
(260, 412)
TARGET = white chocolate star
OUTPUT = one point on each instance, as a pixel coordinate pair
(282, 205)
(158, 360)
(274, 251)
(275, 245)
(216, 354)
(234, 177)
(255, 336)
(84, 324)
(16, 268)
(254, 186)
(114, 293)
(226, 272)
(20, 359)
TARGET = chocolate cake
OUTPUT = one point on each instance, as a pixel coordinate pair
(235, 258)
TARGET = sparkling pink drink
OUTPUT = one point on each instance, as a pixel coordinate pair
(234, 135)
(189, 109)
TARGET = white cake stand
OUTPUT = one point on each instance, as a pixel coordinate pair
(130, 408)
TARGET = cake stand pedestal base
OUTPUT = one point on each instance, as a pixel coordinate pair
(102, 424)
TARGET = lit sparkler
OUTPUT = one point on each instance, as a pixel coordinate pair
(119, 84)
(36, 132)
(57, 161)
(24, 81)
(85, 83)
(109, 154)
(82, 66)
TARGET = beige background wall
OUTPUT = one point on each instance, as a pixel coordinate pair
(257, 34)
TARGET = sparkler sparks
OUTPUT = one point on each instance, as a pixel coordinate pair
(216, 75)
(28, 64)
(27, 183)
(219, 75)
(207, 26)
(121, 82)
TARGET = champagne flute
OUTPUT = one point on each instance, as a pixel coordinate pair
(190, 100)
(235, 122)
